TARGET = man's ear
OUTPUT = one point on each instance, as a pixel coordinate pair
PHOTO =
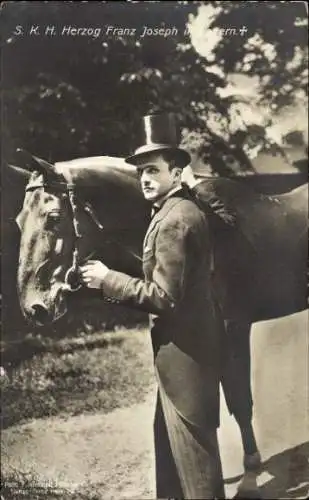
(178, 172)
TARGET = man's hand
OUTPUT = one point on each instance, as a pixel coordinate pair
(93, 273)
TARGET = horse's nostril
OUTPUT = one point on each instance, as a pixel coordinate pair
(40, 312)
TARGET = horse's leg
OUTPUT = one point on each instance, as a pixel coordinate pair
(236, 384)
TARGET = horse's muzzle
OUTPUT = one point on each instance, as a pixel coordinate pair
(46, 309)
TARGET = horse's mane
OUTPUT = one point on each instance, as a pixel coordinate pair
(95, 170)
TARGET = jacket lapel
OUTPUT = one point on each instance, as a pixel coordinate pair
(168, 205)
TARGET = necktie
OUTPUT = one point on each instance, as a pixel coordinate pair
(154, 210)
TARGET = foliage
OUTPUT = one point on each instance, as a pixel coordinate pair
(265, 71)
(68, 96)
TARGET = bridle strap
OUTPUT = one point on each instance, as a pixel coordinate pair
(77, 234)
(35, 185)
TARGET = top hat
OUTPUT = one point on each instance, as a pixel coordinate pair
(159, 133)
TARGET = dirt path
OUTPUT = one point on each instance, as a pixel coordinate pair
(99, 449)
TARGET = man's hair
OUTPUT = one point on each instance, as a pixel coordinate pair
(169, 157)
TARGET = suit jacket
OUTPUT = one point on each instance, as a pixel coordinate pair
(185, 327)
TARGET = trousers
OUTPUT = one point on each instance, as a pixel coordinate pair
(187, 458)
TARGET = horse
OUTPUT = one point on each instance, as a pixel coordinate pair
(94, 207)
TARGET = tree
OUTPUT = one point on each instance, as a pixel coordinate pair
(260, 51)
(76, 95)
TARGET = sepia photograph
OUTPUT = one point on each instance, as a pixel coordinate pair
(154, 250)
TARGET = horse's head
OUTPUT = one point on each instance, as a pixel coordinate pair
(60, 230)
(46, 240)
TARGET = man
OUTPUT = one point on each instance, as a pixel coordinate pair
(185, 329)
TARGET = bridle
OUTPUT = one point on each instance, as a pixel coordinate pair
(72, 278)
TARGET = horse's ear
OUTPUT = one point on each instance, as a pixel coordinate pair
(36, 163)
(19, 170)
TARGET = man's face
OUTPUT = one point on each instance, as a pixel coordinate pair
(156, 177)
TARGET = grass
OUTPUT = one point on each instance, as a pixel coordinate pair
(96, 378)
(113, 370)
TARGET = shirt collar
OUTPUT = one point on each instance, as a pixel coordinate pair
(159, 203)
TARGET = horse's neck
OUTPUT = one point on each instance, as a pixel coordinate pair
(99, 170)
(110, 185)
(124, 214)
(112, 188)
(119, 242)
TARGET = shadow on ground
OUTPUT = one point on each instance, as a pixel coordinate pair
(284, 475)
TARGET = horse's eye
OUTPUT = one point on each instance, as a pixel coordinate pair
(53, 218)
